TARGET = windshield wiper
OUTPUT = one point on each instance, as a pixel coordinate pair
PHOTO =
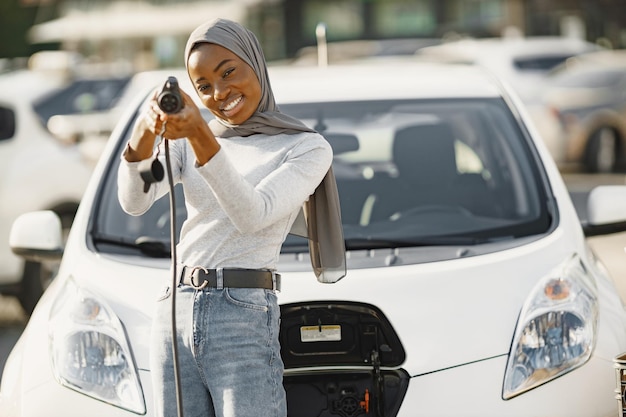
(376, 243)
(149, 246)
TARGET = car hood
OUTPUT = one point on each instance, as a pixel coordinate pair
(445, 313)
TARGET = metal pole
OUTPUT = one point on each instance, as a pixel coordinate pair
(322, 45)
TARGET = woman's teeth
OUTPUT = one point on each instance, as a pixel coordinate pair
(232, 104)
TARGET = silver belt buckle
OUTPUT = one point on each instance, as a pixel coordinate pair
(194, 274)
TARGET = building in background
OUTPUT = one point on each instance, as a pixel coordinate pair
(152, 33)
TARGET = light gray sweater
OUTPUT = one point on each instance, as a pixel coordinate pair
(242, 203)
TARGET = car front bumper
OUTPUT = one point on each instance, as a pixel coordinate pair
(470, 390)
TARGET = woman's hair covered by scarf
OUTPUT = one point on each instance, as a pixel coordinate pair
(320, 217)
(243, 43)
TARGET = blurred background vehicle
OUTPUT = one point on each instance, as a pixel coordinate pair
(44, 166)
(81, 110)
(341, 51)
(521, 62)
(587, 94)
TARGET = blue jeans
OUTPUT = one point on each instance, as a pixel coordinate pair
(229, 354)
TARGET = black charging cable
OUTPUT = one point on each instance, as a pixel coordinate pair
(150, 177)
(170, 180)
(151, 170)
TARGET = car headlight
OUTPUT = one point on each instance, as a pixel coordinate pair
(90, 352)
(556, 330)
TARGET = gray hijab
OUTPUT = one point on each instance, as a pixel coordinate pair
(320, 217)
(243, 43)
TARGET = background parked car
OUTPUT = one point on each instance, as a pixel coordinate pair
(587, 93)
(468, 271)
(43, 170)
(524, 64)
(82, 110)
(341, 51)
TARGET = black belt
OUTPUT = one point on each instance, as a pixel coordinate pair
(199, 278)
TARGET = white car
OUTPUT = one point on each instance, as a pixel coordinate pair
(470, 288)
(37, 172)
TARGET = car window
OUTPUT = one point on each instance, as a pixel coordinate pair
(410, 173)
(539, 63)
(81, 96)
(7, 123)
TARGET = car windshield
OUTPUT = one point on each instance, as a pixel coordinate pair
(410, 173)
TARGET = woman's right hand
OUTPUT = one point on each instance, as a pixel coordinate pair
(188, 123)
(148, 125)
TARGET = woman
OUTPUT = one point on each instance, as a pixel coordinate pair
(245, 175)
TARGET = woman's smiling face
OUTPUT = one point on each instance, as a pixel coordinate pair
(226, 84)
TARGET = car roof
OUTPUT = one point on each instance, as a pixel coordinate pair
(377, 79)
(593, 64)
(601, 59)
(25, 85)
(380, 79)
(479, 49)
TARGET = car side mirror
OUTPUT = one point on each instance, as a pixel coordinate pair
(606, 210)
(37, 236)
